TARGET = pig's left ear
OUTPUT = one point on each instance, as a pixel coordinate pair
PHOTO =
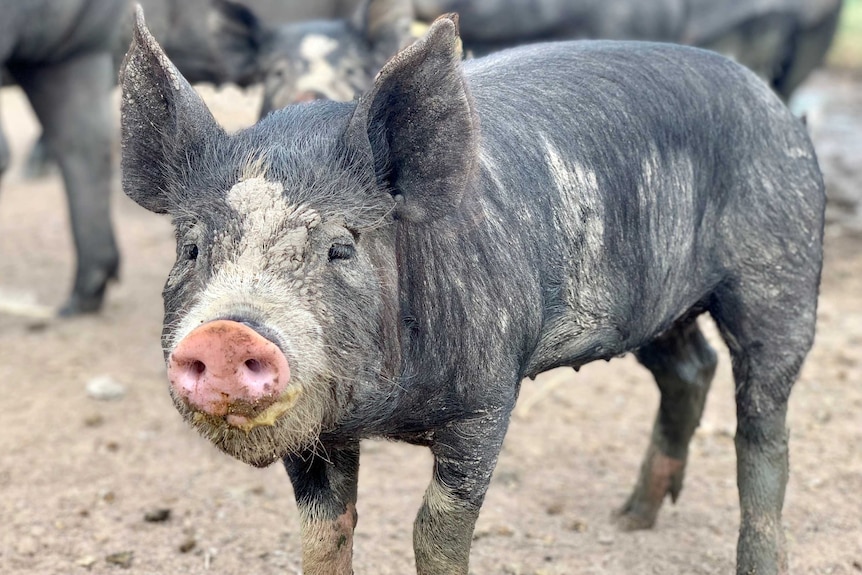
(163, 121)
(418, 125)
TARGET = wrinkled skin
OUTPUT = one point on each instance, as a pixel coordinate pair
(781, 40)
(59, 53)
(415, 254)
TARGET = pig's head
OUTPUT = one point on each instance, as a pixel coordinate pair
(318, 59)
(282, 309)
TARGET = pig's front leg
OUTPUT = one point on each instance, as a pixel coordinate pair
(325, 488)
(465, 454)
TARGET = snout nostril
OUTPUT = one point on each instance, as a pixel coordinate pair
(197, 367)
(254, 365)
(225, 366)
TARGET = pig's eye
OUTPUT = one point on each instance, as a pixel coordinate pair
(190, 252)
(341, 251)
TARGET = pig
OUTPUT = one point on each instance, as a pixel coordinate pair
(59, 52)
(782, 40)
(187, 30)
(68, 68)
(395, 266)
(334, 58)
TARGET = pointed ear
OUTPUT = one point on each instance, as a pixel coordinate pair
(418, 125)
(385, 25)
(163, 121)
(239, 36)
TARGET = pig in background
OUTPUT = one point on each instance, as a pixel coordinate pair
(781, 40)
(395, 266)
(65, 55)
(59, 52)
(333, 59)
(187, 31)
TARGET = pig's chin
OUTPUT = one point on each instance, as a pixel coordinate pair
(260, 441)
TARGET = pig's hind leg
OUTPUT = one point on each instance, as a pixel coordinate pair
(768, 325)
(683, 364)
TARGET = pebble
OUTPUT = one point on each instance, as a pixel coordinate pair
(157, 515)
(27, 546)
(105, 388)
(123, 559)
(606, 539)
(86, 561)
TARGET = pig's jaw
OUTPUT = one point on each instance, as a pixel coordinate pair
(290, 425)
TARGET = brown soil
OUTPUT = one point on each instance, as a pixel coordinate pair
(102, 486)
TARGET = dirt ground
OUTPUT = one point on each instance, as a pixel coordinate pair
(80, 477)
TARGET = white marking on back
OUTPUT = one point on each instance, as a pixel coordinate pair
(581, 216)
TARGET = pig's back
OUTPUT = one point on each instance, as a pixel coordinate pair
(642, 171)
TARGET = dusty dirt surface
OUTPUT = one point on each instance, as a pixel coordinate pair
(99, 486)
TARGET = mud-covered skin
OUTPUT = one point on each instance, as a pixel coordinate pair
(59, 53)
(469, 232)
(683, 364)
(325, 487)
(781, 40)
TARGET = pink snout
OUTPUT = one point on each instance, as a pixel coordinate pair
(225, 367)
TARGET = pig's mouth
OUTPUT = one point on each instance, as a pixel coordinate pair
(246, 415)
(258, 437)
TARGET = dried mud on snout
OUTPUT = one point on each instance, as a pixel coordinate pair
(78, 477)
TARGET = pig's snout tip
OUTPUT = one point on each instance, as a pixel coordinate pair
(225, 367)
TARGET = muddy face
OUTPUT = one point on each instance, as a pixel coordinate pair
(282, 313)
(278, 285)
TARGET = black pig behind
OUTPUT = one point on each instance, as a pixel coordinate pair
(395, 266)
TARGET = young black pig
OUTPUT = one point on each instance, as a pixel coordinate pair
(395, 266)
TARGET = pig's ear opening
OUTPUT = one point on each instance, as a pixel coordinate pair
(418, 125)
(240, 37)
(163, 121)
(385, 25)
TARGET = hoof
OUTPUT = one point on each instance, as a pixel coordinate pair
(79, 305)
(90, 300)
(660, 476)
(628, 519)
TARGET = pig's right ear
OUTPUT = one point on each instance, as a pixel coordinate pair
(163, 121)
(417, 124)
